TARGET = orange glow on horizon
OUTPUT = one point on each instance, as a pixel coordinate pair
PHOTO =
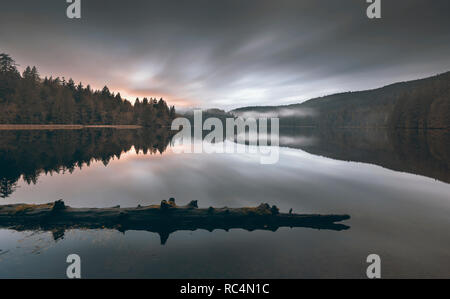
(170, 99)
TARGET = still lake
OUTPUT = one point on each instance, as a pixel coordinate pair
(394, 185)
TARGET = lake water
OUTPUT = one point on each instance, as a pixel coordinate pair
(394, 185)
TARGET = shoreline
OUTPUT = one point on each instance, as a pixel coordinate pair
(63, 127)
(18, 127)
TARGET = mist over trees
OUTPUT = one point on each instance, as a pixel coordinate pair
(28, 99)
(418, 104)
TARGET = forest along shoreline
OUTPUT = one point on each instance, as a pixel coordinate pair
(65, 127)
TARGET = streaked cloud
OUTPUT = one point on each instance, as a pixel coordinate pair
(230, 53)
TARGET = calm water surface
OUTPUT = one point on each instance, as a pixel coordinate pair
(401, 214)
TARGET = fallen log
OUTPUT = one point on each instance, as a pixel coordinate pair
(162, 219)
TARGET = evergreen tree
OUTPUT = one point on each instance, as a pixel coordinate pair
(26, 99)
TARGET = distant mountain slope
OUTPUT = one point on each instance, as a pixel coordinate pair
(423, 103)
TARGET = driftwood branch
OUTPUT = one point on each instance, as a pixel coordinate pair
(163, 219)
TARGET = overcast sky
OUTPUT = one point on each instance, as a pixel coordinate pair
(229, 53)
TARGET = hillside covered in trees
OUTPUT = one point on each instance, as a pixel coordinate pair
(421, 104)
(28, 99)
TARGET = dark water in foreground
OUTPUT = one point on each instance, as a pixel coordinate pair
(394, 185)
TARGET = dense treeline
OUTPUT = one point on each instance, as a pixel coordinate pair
(423, 104)
(208, 113)
(30, 153)
(27, 99)
(424, 107)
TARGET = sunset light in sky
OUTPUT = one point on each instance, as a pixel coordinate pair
(208, 53)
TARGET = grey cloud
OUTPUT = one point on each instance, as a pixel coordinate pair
(230, 53)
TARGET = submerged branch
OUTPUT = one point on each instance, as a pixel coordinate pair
(162, 219)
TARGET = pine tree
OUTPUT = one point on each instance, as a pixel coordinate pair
(26, 99)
